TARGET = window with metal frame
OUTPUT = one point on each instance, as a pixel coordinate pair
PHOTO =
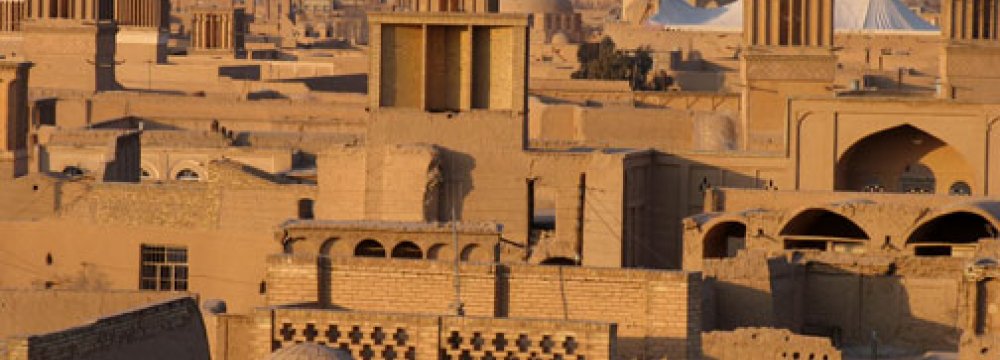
(163, 268)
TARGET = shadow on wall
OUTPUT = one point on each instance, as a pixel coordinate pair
(458, 183)
(350, 83)
(895, 313)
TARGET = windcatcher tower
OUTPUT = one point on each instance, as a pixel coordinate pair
(14, 118)
(217, 31)
(788, 52)
(71, 43)
(449, 55)
(143, 30)
(970, 56)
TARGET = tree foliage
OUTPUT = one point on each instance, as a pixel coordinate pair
(604, 61)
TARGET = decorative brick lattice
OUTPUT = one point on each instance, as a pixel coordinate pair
(364, 342)
(371, 336)
(471, 344)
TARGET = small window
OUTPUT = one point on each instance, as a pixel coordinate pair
(163, 268)
(306, 209)
(188, 175)
(72, 171)
(960, 188)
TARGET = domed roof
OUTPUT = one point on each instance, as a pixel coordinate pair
(309, 351)
(536, 6)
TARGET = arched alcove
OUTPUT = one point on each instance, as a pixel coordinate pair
(902, 159)
(407, 250)
(369, 248)
(944, 235)
(438, 252)
(724, 239)
(821, 229)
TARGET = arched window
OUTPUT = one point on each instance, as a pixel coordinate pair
(960, 188)
(407, 250)
(188, 175)
(471, 252)
(72, 171)
(437, 252)
(369, 248)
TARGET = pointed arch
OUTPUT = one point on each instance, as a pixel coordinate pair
(902, 159)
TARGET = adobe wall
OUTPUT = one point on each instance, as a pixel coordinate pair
(237, 115)
(169, 330)
(910, 304)
(657, 312)
(765, 344)
(26, 311)
(394, 335)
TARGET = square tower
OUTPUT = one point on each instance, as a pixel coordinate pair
(143, 31)
(217, 31)
(972, 50)
(449, 61)
(71, 43)
(787, 52)
(14, 118)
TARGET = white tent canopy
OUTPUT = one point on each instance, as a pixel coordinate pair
(849, 15)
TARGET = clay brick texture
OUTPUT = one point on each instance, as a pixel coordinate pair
(657, 313)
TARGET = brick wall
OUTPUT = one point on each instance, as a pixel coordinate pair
(411, 336)
(152, 332)
(657, 312)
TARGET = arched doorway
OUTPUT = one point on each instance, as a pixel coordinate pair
(724, 240)
(825, 230)
(902, 159)
(369, 248)
(407, 250)
(952, 234)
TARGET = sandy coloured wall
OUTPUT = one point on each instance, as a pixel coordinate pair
(168, 330)
(657, 312)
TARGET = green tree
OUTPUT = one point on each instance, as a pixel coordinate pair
(604, 61)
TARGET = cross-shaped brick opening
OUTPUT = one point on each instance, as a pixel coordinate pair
(547, 344)
(356, 335)
(477, 341)
(310, 332)
(523, 343)
(389, 353)
(367, 353)
(287, 332)
(401, 337)
(466, 355)
(455, 340)
(332, 334)
(570, 345)
(378, 335)
(500, 343)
